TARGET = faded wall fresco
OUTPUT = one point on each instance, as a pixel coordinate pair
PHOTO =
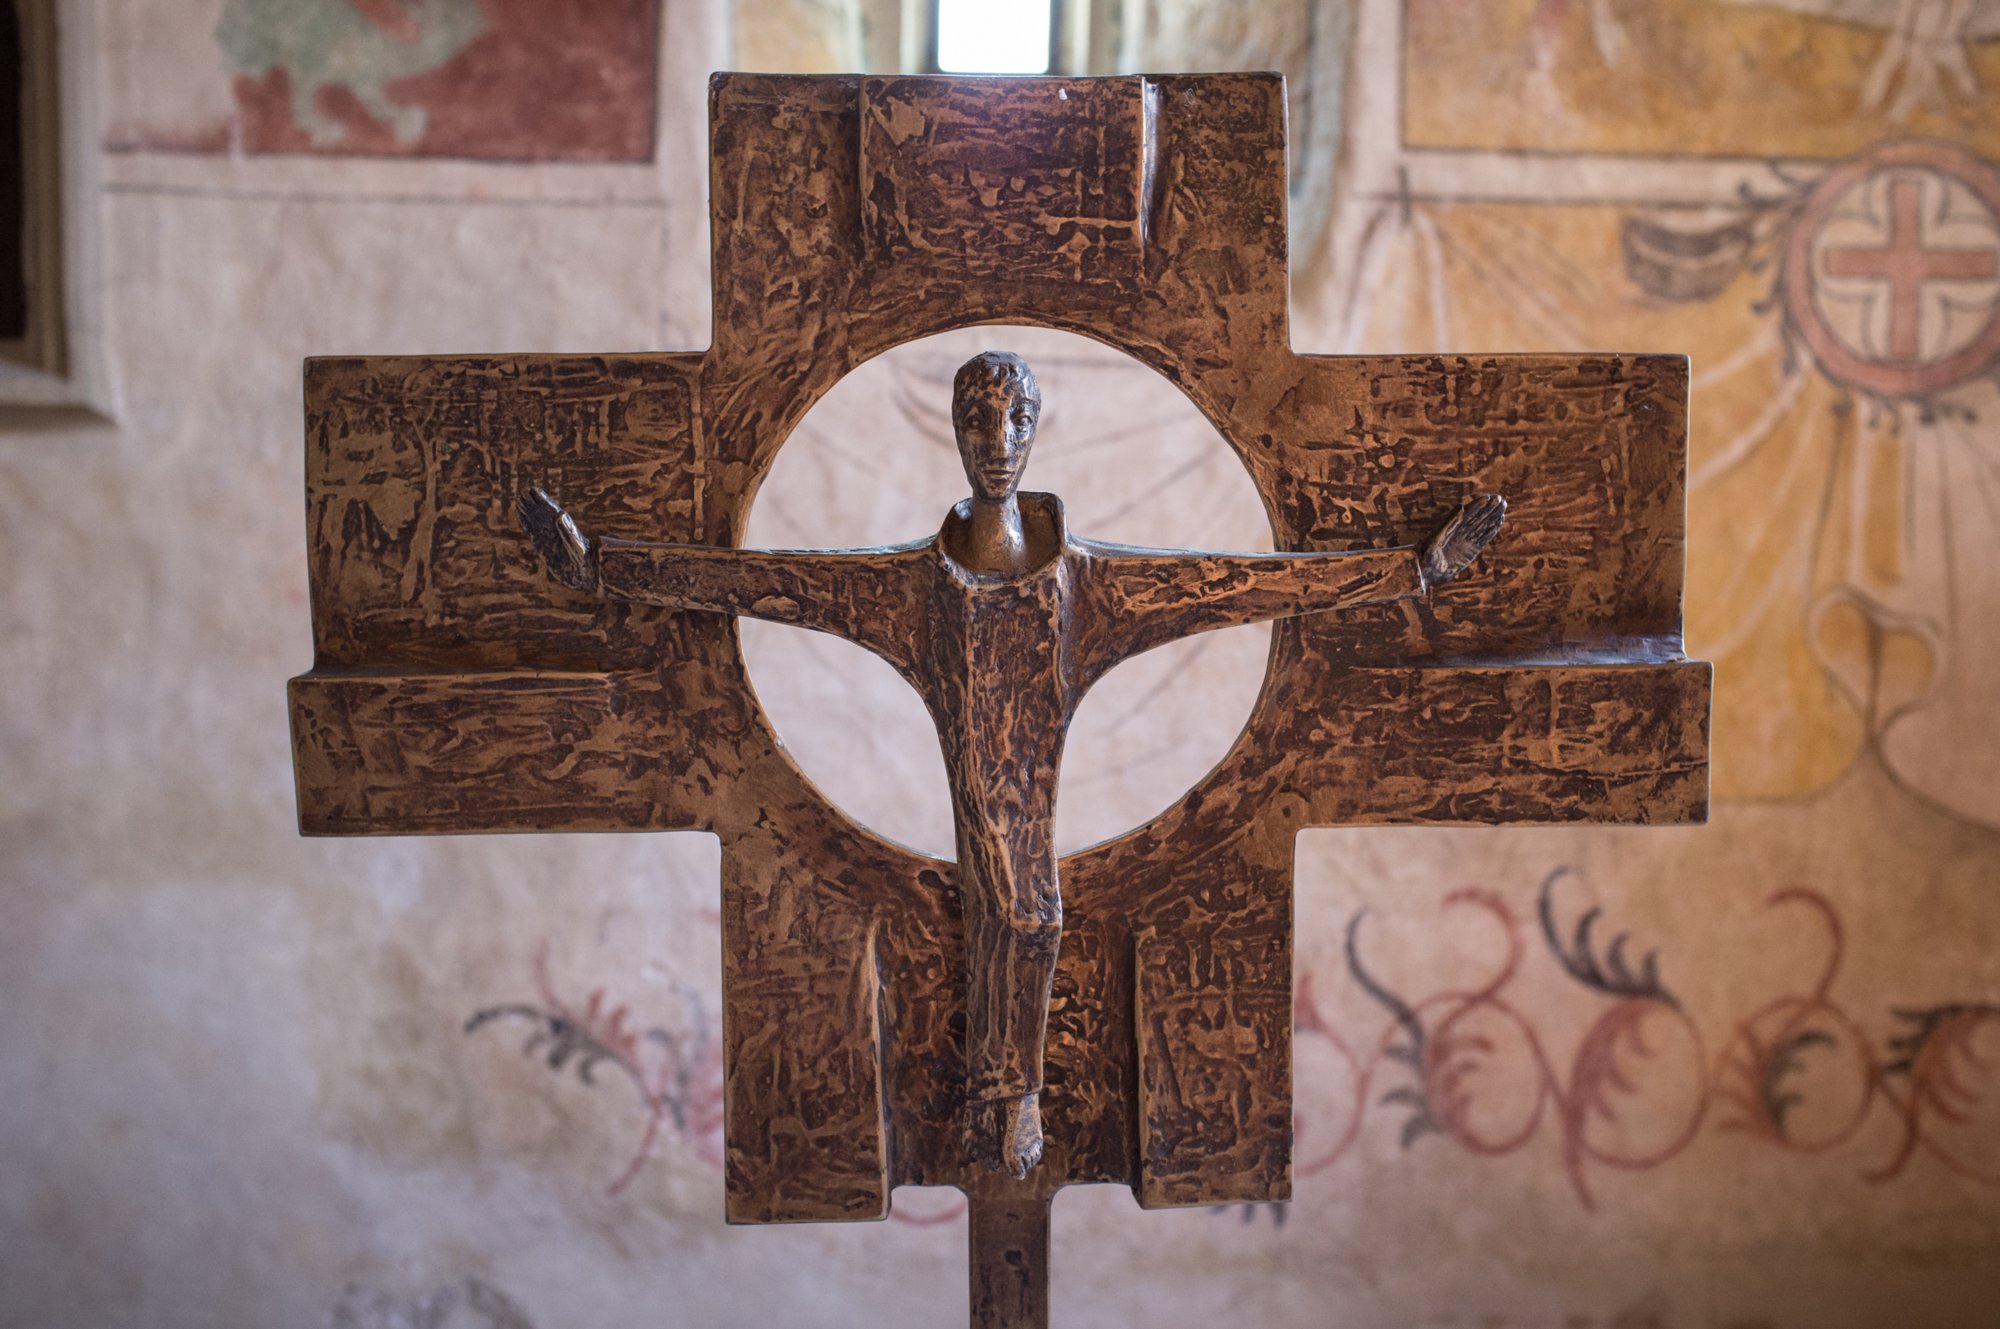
(1744, 1076)
(1806, 202)
(520, 80)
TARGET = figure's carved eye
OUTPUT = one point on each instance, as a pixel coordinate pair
(1022, 419)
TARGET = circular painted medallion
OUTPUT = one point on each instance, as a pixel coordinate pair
(1892, 274)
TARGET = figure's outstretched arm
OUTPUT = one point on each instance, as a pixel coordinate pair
(869, 596)
(1152, 596)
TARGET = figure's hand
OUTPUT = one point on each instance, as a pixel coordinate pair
(562, 546)
(1460, 539)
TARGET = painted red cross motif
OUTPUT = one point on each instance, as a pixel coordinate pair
(1892, 273)
(1906, 263)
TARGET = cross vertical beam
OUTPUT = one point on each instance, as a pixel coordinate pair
(1007, 1244)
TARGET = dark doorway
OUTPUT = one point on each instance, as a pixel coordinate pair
(13, 176)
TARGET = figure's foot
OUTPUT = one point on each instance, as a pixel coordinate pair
(562, 546)
(1007, 1133)
(1460, 539)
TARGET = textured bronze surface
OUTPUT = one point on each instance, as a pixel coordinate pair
(1001, 623)
(458, 687)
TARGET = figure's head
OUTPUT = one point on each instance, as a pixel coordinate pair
(994, 407)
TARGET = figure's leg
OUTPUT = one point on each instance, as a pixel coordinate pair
(1013, 929)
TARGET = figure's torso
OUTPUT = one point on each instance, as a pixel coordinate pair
(1005, 682)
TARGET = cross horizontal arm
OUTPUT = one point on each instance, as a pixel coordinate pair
(1499, 744)
(425, 753)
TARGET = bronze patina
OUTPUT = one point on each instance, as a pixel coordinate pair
(1001, 622)
(894, 1019)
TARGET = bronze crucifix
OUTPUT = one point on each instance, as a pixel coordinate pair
(876, 1000)
(1001, 622)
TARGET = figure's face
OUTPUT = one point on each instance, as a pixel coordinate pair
(995, 423)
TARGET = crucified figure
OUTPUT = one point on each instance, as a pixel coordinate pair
(1001, 622)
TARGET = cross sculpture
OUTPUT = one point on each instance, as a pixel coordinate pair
(525, 585)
